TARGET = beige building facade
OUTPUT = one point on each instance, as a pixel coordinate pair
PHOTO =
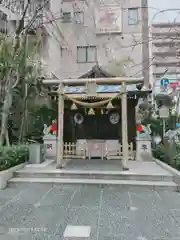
(80, 34)
(113, 34)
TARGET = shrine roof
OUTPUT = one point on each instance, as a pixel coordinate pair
(96, 72)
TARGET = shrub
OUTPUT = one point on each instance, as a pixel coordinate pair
(160, 153)
(167, 155)
(12, 156)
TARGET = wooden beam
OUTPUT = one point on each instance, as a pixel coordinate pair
(82, 81)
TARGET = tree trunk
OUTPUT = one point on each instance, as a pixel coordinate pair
(24, 118)
(7, 138)
(23, 123)
(5, 114)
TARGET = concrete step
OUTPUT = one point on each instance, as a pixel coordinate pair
(153, 185)
(104, 175)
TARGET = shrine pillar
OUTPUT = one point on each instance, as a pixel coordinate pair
(124, 126)
(60, 142)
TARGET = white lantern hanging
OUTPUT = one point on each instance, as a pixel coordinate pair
(154, 115)
(157, 139)
(173, 112)
(164, 112)
(175, 99)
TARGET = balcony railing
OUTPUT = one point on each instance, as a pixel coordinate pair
(166, 42)
(166, 53)
(166, 63)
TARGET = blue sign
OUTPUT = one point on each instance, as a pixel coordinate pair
(164, 81)
(177, 124)
(99, 89)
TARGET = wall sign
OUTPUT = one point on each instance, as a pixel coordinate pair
(108, 19)
(164, 82)
(144, 147)
(49, 146)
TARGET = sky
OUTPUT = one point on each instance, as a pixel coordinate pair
(169, 16)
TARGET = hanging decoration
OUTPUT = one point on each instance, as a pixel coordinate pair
(94, 104)
(154, 115)
(91, 111)
(157, 139)
(114, 118)
(109, 106)
(78, 118)
(173, 112)
(74, 107)
(102, 111)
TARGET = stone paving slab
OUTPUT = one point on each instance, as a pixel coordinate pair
(40, 211)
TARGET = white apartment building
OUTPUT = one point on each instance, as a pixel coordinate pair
(165, 51)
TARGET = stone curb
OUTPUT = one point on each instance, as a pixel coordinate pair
(8, 174)
(173, 171)
(156, 185)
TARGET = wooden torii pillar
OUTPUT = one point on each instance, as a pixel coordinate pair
(124, 127)
(60, 137)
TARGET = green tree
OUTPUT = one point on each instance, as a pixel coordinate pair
(20, 77)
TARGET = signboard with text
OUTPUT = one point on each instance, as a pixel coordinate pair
(108, 19)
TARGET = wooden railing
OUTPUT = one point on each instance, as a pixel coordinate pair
(72, 150)
(131, 152)
(118, 153)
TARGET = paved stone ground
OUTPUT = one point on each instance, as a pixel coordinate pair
(42, 211)
(94, 164)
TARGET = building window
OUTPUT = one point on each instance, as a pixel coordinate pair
(64, 52)
(66, 16)
(133, 17)
(86, 54)
(79, 17)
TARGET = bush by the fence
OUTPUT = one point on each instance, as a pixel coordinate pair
(12, 156)
(167, 156)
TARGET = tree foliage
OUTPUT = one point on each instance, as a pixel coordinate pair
(20, 81)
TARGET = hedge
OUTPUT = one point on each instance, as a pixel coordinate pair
(13, 155)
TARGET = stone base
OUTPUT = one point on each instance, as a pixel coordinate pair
(143, 147)
(50, 146)
(58, 166)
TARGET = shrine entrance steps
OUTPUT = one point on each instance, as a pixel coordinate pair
(148, 175)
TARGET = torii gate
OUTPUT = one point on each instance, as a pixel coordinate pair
(73, 82)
